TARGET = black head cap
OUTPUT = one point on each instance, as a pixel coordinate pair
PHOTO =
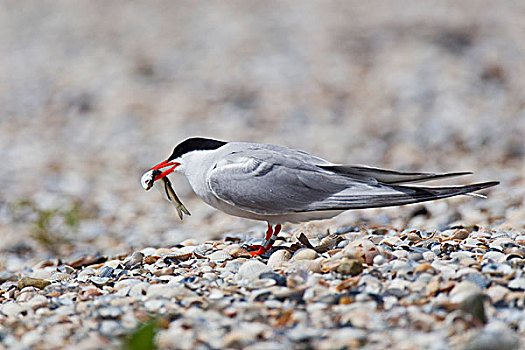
(195, 144)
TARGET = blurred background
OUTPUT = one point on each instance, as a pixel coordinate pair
(93, 93)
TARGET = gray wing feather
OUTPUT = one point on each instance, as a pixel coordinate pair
(270, 188)
(271, 181)
(400, 195)
(387, 176)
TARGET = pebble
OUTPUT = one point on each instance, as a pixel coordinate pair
(278, 258)
(304, 254)
(11, 309)
(517, 284)
(379, 260)
(251, 270)
(376, 280)
(32, 282)
(350, 267)
(279, 279)
(361, 249)
(219, 255)
(139, 289)
(495, 335)
(37, 302)
(134, 259)
(462, 290)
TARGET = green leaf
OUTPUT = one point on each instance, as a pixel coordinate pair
(142, 338)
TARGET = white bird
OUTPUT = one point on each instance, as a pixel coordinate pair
(279, 184)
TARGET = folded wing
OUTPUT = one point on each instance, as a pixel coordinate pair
(269, 182)
(387, 176)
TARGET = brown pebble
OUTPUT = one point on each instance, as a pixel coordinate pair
(151, 259)
(350, 267)
(348, 284)
(91, 292)
(237, 251)
(413, 236)
(87, 260)
(423, 267)
(461, 234)
(32, 282)
(345, 300)
(433, 286)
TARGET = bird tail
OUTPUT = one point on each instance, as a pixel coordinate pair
(385, 196)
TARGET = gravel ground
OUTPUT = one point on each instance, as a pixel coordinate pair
(93, 93)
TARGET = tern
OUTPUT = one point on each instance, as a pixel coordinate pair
(278, 184)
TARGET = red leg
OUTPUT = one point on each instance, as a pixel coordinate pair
(269, 240)
(269, 232)
(258, 252)
(260, 248)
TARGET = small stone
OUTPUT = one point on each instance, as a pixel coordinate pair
(189, 242)
(26, 294)
(219, 255)
(350, 267)
(11, 309)
(304, 254)
(415, 256)
(361, 249)
(478, 279)
(210, 276)
(474, 305)
(151, 259)
(134, 259)
(497, 293)
(32, 282)
(423, 268)
(251, 269)
(517, 284)
(279, 279)
(429, 256)
(110, 328)
(216, 294)
(278, 257)
(413, 236)
(100, 281)
(110, 312)
(463, 290)
(379, 260)
(167, 291)
(139, 289)
(495, 335)
(497, 269)
(433, 286)
(460, 234)
(31, 338)
(495, 257)
(106, 271)
(165, 271)
(236, 251)
(154, 305)
(37, 302)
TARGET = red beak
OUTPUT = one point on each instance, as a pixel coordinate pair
(164, 164)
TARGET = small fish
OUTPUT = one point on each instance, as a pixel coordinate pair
(172, 197)
(148, 180)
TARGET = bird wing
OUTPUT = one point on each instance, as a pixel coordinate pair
(272, 182)
(387, 176)
(268, 181)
